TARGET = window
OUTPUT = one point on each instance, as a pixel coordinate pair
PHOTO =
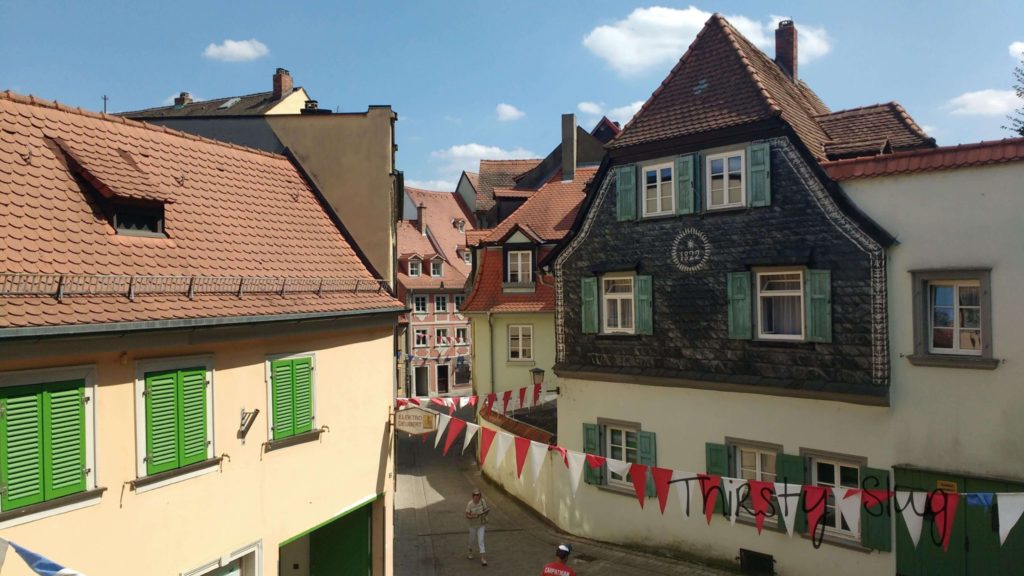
(459, 301)
(753, 462)
(291, 397)
(177, 404)
(658, 193)
(419, 304)
(436, 269)
(462, 335)
(725, 178)
(832, 472)
(440, 303)
(420, 338)
(520, 342)
(467, 257)
(617, 297)
(519, 269)
(414, 268)
(955, 316)
(780, 305)
(460, 224)
(46, 428)
(621, 443)
(441, 337)
(139, 219)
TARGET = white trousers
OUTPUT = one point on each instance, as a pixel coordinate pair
(477, 533)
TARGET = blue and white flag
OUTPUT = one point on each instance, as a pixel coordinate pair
(37, 563)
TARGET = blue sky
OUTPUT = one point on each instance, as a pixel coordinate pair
(447, 67)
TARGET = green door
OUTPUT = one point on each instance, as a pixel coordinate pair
(343, 547)
(984, 554)
(929, 559)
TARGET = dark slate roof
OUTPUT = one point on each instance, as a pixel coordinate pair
(248, 105)
(873, 123)
(498, 174)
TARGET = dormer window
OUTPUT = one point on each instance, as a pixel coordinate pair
(519, 269)
(467, 257)
(436, 269)
(414, 268)
(460, 225)
(138, 219)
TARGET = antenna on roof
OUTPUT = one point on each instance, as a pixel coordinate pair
(105, 98)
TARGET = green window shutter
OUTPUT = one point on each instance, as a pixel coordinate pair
(162, 448)
(64, 439)
(686, 184)
(283, 408)
(302, 380)
(644, 306)
(790, 469)
(717, 463)
(875, 529)
(648, 449)
(21, 441)
(625, 189)
(740, 305)
(588, 291)
(192, 430)
(592, 445)
(759, 188)
(818, 302)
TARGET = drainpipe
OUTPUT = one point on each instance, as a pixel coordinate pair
(490, 328)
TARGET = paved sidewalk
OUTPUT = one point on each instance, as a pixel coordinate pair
(430, 530)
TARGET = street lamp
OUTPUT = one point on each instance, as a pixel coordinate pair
(538, 375)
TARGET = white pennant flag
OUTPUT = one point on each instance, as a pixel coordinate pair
(503, 441)
(463, 401)
(849, 507)
(683, 490)
(1010, 508)
(442, 423)
(912, 504)
(619, 467)
(576, 460)
(789, 503)
(732, 487)
(537, 455)
(470, 432)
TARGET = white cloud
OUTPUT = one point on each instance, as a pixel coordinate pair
(467, 157)
(440, 185)
(653, 37)
(508, 112)
(1017, 50)
(929, 129)
(592, 108)
(620, 114)
(983, 103)
(236, 50)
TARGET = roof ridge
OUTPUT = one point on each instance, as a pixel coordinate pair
(856, 109)
(294, 89)
(507, 160)
(928, 151)
(31, 100)
(733, 35)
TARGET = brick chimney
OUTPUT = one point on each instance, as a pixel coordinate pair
(568, 147)
(420, 222)
(182, 99)
(282, 83)
(785, 47)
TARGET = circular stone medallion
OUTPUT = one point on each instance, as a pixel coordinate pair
(691, 250)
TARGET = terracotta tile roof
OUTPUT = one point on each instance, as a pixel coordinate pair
(442, 239)
(512, 193)
(944, 158)
(488, 295)
(474, 180)
(473, 237)
(236, 212)
(548, 213)
(248, 105)
(724, 81)
(498, 174)
(873, 123)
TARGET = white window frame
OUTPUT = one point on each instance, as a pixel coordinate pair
(251, 556)
(737, 447)
(464, 339)
(724, 156)
(955, 350)
(436, 269)
(457, 301)
(440, 334)
(605, 297)
(523, 267)
(440, 303)
(144, 366)
(671, 209)
(426, 338)
(520, 328)
(625, 482)
(838, 462)
(270, 390)
(87, 373)
(415, 268)
(416, 299)
(757, 294)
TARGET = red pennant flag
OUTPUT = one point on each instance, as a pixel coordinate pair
(522, 447)
(536, 394)
(438, 401)
(491, 399)
(815, 498)
(505, 398)
(455, 427)
(415, 401)
(760, 496)
(595, 461)
(486, 438)
(872, 498)
(522, 397)
(563, 452)
(450, 403)
(401, 403)
(638, 473)
(662, 477)
(472, 400)
(943, 505)
(709, 487)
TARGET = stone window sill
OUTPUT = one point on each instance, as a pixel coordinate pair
(155, 481)
(34, 512)
(311, 436)
(970, 362)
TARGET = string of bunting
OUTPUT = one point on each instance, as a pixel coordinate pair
(761, 500)
(525, 397)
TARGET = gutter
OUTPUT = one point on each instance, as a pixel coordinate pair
(490, 329)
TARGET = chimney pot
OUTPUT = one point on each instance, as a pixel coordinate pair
(282, 83)
(785, 47)
(568, 147)
(182, 99)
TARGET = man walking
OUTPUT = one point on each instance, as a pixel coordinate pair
(560, 567)
(476, 515)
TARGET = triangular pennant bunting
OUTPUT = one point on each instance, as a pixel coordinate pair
(1010, 508)
(522, 445)
(486, 439)
(536, 395)
(682, 481)
(618, 467)
(943, 505)
(595, 461)
(522, 398)
(504, 442)
(506, 400)
(463, 401)
(788, 496)
(563, 452)
(760, 498)
(491, 399)
(455, 427)
(913, 507)
(638, 474)
(575, 460)
(470, 432)
(538, 454)
(815, 500)
(662, 477)
(732, 489)
(442, 424)
(848, 501)
(710, 486)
